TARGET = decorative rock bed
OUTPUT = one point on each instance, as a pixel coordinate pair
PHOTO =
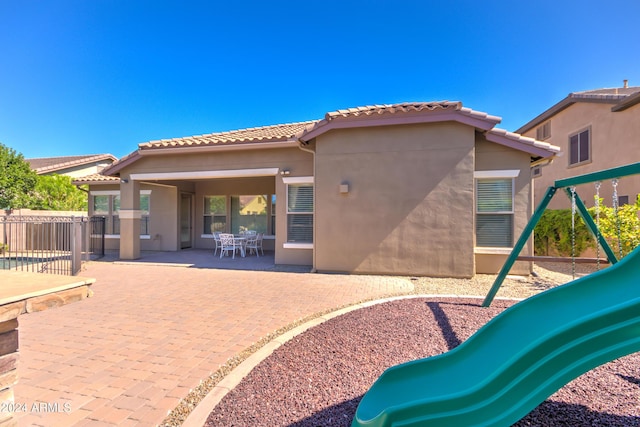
(318, 378)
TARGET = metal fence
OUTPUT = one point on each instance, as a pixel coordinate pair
(50, 244)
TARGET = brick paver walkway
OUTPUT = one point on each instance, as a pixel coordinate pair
(151, 333)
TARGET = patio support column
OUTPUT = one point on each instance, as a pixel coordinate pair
(129, 219)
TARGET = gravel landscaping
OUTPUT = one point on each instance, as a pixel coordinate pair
(318, 378)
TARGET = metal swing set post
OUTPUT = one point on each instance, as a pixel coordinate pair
(613, 173)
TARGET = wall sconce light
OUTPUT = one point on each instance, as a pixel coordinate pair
(124, 180)
(284, 172)
(344, 188)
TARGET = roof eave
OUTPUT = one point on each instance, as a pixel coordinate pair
(480, 122)
(571, 99)
(630, 101)
(143, 152)
(520, 143)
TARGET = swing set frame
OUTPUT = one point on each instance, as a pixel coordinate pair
(566, 184)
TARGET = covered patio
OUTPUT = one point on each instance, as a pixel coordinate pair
(204, 258)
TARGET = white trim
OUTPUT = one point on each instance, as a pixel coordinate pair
(130, 214)
(230, 173)
(297, 245)
(298, 180)
(512, 173)
(104, 192)
(113, 192)
(117, 236)
(264, 237)
(492, 251)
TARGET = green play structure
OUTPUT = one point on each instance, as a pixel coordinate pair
(523, 355)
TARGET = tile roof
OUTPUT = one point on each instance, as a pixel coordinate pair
(96, 178)
(408, 108)
(408, 112)
(274, 133)
(523, 143)
(51, 164)
(370, 115)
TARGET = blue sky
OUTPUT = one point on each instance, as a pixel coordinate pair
(101, 76)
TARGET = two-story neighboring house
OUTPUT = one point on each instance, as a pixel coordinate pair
(596, 129)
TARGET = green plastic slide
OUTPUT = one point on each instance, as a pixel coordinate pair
(518, 359)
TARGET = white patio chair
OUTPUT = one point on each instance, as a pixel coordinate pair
(259, 243)
(228, 243)
(252, 243)
(218, 243)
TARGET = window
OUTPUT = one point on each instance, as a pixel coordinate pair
(300, 213)
(215, 214)
(494, 212)
(273, 214)
(145, 199)
(249, 213)
(623, 200)
(108, 207)
(237, 214)
(107, 204)
(543, 131)
(579, 147)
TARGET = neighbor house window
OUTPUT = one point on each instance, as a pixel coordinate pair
(215, 214)
(300, 213)
(494, 212)
(543, 131)
(580, 147)
(107, 204)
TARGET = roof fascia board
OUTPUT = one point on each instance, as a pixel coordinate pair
(516, 145)
(630, 101)
(346, 123)
(118, 166)
(135, 156)
(560, 106)
(212, 174)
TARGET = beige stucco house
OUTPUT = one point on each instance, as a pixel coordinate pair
(596, 130)
(427, 188)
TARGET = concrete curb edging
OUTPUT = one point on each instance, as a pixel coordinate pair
(200, 413)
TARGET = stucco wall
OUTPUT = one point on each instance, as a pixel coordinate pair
(491, 157)
(163, 222)
(409, 209)
(615, 138)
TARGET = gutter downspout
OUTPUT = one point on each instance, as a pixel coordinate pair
(315, 234)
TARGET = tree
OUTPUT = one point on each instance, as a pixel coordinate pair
(56, 192)
(17, 180)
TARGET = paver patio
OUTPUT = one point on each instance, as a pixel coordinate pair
(151, 333)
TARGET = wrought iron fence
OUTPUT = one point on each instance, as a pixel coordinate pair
(49, 244)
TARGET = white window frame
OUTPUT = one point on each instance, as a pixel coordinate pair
(496, 174)
(299, 180)
(112, 214)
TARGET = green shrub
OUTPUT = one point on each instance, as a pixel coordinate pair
(552, 234)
